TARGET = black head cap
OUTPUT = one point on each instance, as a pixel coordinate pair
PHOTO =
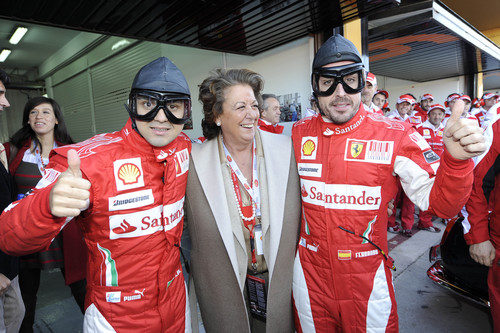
(336, 48)
(161, 75)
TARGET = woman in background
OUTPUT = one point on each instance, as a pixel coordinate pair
(43, 129)
(242, 211)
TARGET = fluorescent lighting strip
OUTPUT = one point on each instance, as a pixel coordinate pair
(17, 35)
(4, 54)
(462, 29)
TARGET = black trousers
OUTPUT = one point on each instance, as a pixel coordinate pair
(29, 282)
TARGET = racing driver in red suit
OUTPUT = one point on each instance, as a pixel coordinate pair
(126, 190)
(349, 163)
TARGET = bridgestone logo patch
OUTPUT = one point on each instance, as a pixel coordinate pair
(310, 169)
(131, 200)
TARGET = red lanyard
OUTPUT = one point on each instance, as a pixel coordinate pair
(248, 222)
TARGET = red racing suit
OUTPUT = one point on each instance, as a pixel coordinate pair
(132, 230)
(268, 127)
(341, 281)
(433, 136)
(480, 225)
(419, 115)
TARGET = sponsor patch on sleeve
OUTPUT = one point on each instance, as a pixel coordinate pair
(419, 140)
(430, 156)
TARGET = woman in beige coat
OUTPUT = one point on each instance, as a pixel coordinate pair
(242, 211)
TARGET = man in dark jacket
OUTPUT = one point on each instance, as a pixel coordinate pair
(11, 303)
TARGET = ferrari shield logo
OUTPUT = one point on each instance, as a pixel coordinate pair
(356, 149)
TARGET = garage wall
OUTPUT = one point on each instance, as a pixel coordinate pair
(93, 88)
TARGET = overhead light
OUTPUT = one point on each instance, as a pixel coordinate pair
(17, 35)
(119, 44)
(4, 54)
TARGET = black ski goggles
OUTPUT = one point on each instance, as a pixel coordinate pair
(144, 105)
(325, 80)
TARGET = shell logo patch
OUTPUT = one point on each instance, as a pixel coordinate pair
(309, 147)
(440, 133)
(427, 132)
(356, 148)
(128, 173)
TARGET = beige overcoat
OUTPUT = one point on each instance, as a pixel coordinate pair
(218, 251)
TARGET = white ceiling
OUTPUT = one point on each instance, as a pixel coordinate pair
(39, 43)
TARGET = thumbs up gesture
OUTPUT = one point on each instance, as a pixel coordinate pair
(70, 194)
(463, 138)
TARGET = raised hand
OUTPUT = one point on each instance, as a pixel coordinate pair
(463, 138)
(70, 194)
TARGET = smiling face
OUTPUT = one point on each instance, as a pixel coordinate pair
(42, 119)
(403, 108)
(426, 103)
(339, 107)
(240, 112)
(159, 132)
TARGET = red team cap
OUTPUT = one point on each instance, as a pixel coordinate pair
(466, 98)
(436, 106)
(489, 95)
(405, 98)
(427, 96)
(451, 97)
(383, 92)
(370, 77)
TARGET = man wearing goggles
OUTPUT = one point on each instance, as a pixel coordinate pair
(342, 275)
(126, 190)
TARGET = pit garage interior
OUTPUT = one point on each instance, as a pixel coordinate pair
(85, 53)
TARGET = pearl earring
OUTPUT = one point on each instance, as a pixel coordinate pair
(217, 123)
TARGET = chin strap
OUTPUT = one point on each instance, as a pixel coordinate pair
(317, 104)
(134, 125)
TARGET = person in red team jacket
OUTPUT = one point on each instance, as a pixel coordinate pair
(342, 280)
(482, 223)
(126, 190)
(270, 114)
(432, 131)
